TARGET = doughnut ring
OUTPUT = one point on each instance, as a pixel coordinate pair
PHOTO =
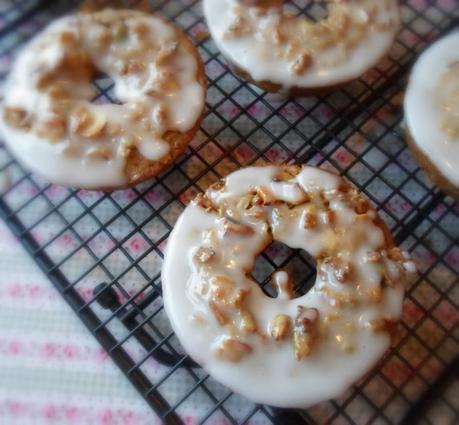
(432, 112)
(50, 124)
(283, 351)
(279, 51)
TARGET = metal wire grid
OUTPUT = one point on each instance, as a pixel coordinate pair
(103, 251)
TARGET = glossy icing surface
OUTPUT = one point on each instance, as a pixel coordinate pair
(293, 51)
(432, 105)
(48, 119)
(283, 351)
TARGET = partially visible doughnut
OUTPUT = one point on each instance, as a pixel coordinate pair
(278, 51)
(284, 351)
(50, 124)
(432, 112)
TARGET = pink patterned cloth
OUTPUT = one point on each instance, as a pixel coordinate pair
(52, 370)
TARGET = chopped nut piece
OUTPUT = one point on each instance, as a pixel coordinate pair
(337, 298)
(304, 331)
(160, 115)
(164, 82)
(87, 123)
(119, 31)
(67, 38)
(146, 124)
(57, 92)
(280, 327)
(344, 272)
(221, 287)
(344, 187)
(136, 110)
(392, 273)
(301, 64)
(114, 129)
(204, 202)
(204, 255)
(201, 288)
(361, 206)
(341, 270)
(238, 299)
(132, 67)
(266, 196)
(376, 295)
(78, 63)
(17, 118)
(100, 153)
(71, 150)
(141, 29)
(287, 173)
(221, 317)
(395, 254)
(240, 26)
(278, 36)
(344, 342)
(373, 257)
(233, 350)
(52, 128)
(338, 23)
(217, 186)
(44, 80)
(245, 201)
(198, 319)
(383, 325)
(234, 228)
(310, 221)
(256, 212)
(127, 145)
(327, 217)
(103, 39)
(166, 52)
(248, 324)
(331, 317)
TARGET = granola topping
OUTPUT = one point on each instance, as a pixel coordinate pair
(431, 109)
(48, 111)
(304, 331)
(341, 319)
(294, 50)
(280, 327)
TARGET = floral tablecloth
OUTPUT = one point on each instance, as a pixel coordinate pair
(52, 370)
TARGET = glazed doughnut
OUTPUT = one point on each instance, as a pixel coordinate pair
(279, 51)
(52, 127)
(284, 351)
(432, 112)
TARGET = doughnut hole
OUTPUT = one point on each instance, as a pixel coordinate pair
(105, 90)
(300, 266)
(315, 10)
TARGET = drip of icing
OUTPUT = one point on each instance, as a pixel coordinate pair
(77, 157)
(423, 115)
(281, 281)
(347, 305)
(261, 54)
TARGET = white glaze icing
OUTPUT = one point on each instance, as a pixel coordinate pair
(74, 159)
(257, 53)
(346, 347)
(423, 113)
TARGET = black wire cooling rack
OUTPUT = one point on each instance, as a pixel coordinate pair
(103, 251)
